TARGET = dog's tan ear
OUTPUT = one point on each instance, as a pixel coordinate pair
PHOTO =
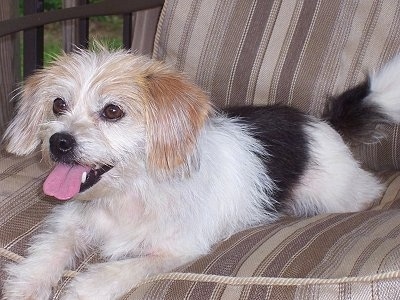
(21, 136)
(175, 113)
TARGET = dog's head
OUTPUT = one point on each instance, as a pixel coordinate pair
(104, 116)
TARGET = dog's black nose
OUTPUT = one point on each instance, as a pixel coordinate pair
(62, 145)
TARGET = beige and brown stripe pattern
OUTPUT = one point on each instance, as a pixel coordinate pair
(347, 256)
(283, 51)
(21, 205)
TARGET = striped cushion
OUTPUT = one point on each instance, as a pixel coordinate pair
(353, 256)
(347, 256)
(291, 52)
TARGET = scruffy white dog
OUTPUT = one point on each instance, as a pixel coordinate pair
(158, 176)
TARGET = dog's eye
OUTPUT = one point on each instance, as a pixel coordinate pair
(59, 106)
(112, 112)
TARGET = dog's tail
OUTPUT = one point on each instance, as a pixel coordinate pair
(357, 113)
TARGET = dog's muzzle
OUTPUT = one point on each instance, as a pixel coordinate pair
(69, 177)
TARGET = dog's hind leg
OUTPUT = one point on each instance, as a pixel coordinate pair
(334, 182)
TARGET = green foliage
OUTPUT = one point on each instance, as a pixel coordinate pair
(107, 29)
(52, 4)
(48, 5)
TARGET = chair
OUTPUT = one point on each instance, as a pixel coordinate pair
(263, 52)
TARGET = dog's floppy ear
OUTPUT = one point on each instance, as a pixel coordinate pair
(21, 136)
(175, 113)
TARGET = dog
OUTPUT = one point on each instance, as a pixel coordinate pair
(153, 175)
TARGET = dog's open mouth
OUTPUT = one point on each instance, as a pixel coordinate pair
(65, 180)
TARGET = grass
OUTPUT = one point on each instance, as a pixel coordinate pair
(52, 42)
(106, 29)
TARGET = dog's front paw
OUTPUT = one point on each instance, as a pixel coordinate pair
(96, 283)
(25, 289)
(92, 289)
(84, 287)
(27, 281)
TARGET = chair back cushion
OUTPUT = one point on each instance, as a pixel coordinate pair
(291, 52)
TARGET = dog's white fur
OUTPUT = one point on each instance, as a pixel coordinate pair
(385, 89)
(184, 177)
(334, 182)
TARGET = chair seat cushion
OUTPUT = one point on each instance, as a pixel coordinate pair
(354, 254)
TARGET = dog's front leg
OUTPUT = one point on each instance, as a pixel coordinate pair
(112, 280)
(49, 255)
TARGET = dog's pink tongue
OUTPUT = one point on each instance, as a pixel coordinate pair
(64, 182)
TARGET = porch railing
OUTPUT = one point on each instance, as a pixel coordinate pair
(34, 18)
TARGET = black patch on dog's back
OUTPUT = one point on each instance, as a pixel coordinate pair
(280, 130)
